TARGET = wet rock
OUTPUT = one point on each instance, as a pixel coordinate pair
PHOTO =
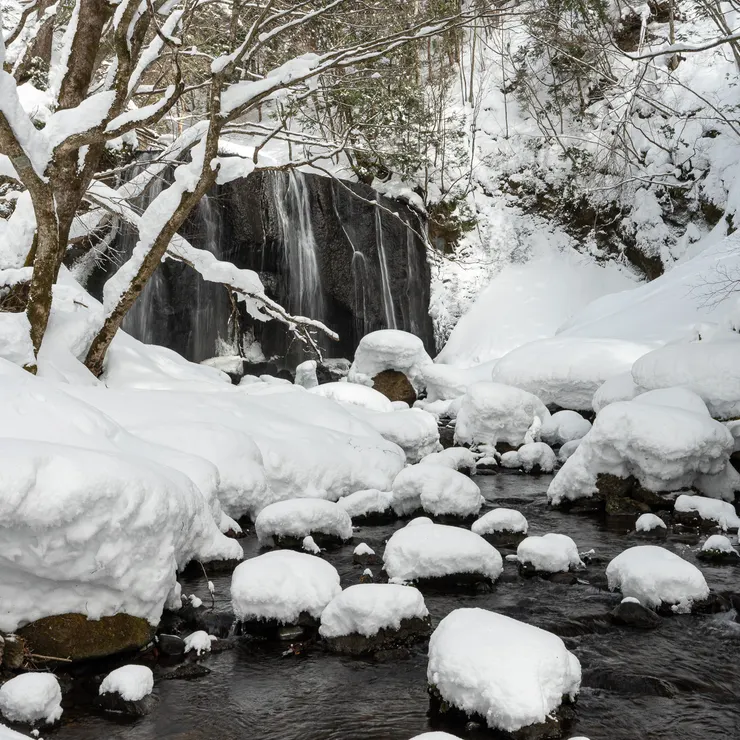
(200, 618)
(410, 631)
(185, 672)
(115, 703)
(446, 429)
(271, 629)
(634, 614)
(75, 637)
(395, 386)
(565, 579)
(12, 652)
(171, 645)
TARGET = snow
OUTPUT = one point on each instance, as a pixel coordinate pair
(300, 517)
(649, 522)
(492, 412)
(355, 394)
(551, 553)
(457, 458)
(445, 382)
(568, 449)
(437, 489)
(680, 398)
(309, 545)
(130, 682)
(500, 520)
(390, 349)
(709, 509)
(367, 608)
(665, 448)
(362, 503)
(363, 549)
(530, 456)
(656, 576)
(566, 371)
(718, 543)
(282, 584)
(617, 388)
(31, 698)
(564, 426)
(435, 736)
(199, 641)
(508, 672)
(427, 550)
(305, 374)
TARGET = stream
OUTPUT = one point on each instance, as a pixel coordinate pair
(679, 682)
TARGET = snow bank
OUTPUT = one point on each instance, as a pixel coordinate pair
(551, 553)
(500, 520)
(508, 672)
(434, 550)
(529, 457)
(282, 584)
(665, 448)
(354, 394)
(367, 608)
(655, 576)
(566, 371)
(390, 349)
(31, 698)
(649, 522)
(709, 509)
(364, 503)
(437, 489)
(618, 388)
(564, 426)
(445, 382)
(492, 412)
(457, 458)
(300, 517)
(130, 682)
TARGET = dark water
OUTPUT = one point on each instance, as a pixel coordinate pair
(679, 682)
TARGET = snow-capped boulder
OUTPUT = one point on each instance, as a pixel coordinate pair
(31, 698)
(534, 457)
(700, 511)
(564, 426)
(305, 374)
(199, 642)
(286, 523)
(657, 577)
(282, 587)
(440, 554)
(678, 398)
(438, 490)
(127, 690)
(617, 388)
(493, 413)
(435, 736)
(502, 527)
(718, 549)
(363, 554)
(457, 458)
(550, 553)
(504, 673)
(651, 525)
(374, 616)
(631, 613)
(354, 394)
(567, 450)
(368, 507)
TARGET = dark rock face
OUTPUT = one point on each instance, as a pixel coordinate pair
(395, 386)
(632, 614)
(409, 631)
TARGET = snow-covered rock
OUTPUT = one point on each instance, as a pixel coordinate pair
(535, 457)
(423, 550)
(492, 412)
(567, 450)
(566, 371)
(309, 545)
(678, 398)
(496, 669)
(200, 642)
(354, 394)
(305, 374)
(564, 426)
(718, 548)
(720, 513)
(130, 682)
(445, 383)
(292, 520)
(457, 458)
(435, 736)
(363, 554)
(390, 349)
(502, 527)
(648, 523)
(365, 506)
(656, 576)
(281, 585)
(617, 388)
(438, 490)
(31, 698)
(550, 553)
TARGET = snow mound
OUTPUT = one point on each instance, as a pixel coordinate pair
(31, 698)
(718, 543)
(665, 448)
(390, 349)
(492, 412)
(533, 456)
(200, 642)
(130, 682)
(305, 374)
(436, 550)
(354, 394)
(566, 371)
(364, 503)
(282, 584)
(437, 489)
(457, 458)
(649, 522)
(367, 608)
(508, 672)
(500, 520)
(300, 517)
(655, 576)
(435, 736)
(568, 449)
(551, 553)
(445, 383)
(618, 388)
(564, 426)
(709, 509)
(363, 549)
(677, 398)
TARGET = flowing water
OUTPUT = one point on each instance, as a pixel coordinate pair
(389, 313)
(679, 682)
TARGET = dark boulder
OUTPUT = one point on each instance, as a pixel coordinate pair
(408, 632)
(395, 386)
(634, 614)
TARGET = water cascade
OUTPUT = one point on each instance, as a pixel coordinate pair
(389, 313)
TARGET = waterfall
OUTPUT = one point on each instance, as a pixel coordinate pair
(385, 283)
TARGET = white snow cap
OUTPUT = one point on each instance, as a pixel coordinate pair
(305, 374)
(648, 522)
(367, 608)
(363, 549)
(354, 394)
(493, 412)
(719, 543)
(435, 736)
(434, 550)
(390, 349)
(551, 553)
(199, 641)
(309, 545)
(438, 489)
(281, 584)
(130, 682)
(654, 575)
(300, 517)
(509, 672)
(362, 503)
(500, 520)
(564, 426)
(457, 458)
(530, 456)
(31, 698)
(721, 512)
